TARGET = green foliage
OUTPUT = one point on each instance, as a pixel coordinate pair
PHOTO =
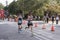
(36, 6)
(13, 7)
(33, 5)
(1, 6)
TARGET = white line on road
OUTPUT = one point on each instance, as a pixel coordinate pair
(43, 38)
(39, 36)
(50, 35)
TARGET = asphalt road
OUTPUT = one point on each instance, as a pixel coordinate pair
(9, 31)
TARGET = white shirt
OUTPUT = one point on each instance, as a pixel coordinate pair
(57, 18)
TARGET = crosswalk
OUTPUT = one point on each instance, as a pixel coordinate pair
(42, 35)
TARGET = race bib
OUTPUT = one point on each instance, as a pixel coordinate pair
(19, 21)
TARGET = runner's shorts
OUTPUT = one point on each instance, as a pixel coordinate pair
(30, 24)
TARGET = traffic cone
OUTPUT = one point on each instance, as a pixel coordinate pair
(44, 26)
(36, 25)
(52, 28)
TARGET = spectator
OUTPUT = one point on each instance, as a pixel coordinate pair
(44, 18)
(57, 19)
(52, 18)
(47, 18)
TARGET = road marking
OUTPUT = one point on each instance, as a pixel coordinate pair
(42, 32)
(47, 36)
(43, 38)
(39, 36)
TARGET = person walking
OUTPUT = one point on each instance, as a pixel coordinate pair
(52, 18)
(47, 18)
(57, 19)
(44, 18)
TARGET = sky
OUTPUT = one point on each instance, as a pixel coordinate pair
(4, 2)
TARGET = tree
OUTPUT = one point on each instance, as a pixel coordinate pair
(13, 7)
(33, 5)
(53, 6)
(36, 6)
(1, 6)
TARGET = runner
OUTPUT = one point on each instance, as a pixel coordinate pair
(19, 23)
(30, 24)
(30, 18)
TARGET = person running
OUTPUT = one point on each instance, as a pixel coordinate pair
(57, 19)
(30, 24)
(19, 23)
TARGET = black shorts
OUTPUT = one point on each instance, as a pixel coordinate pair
(30, 24)
(19, 23)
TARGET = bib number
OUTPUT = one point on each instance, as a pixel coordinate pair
(19, 21)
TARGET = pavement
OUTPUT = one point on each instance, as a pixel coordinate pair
(9, 31)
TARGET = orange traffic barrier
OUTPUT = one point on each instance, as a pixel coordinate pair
(52, 28)
(44, 26)
(36, 25)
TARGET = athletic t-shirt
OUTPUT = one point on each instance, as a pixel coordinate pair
(20, 20)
